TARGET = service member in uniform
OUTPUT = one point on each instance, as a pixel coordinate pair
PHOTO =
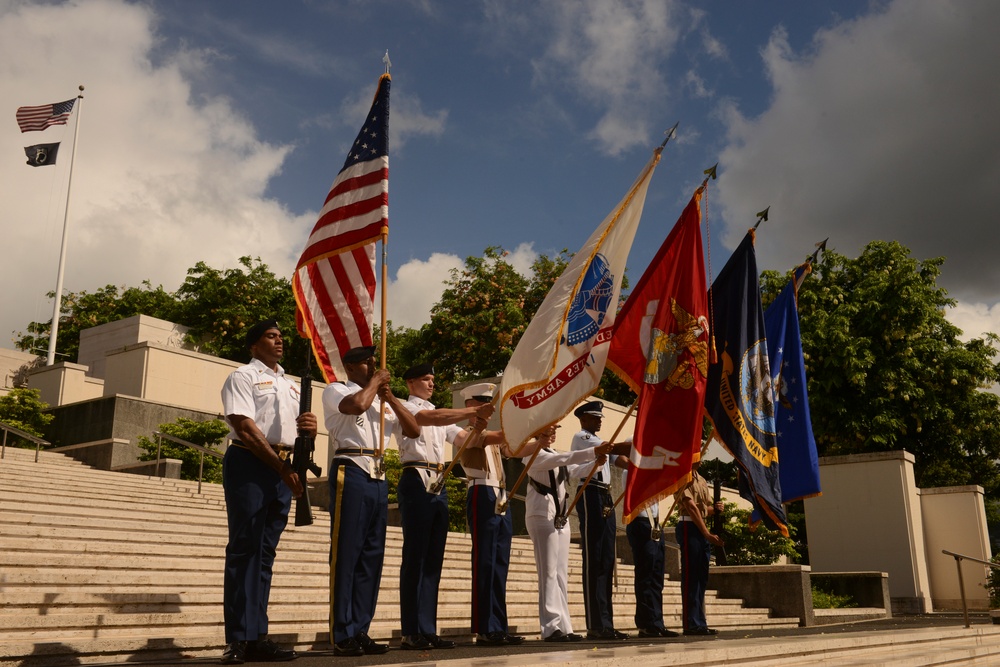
(645, 537)
(359, 496)
(491, 532)
(694, 503)
(597, 532)
(544, 515)
(424, 514)
(261, 406)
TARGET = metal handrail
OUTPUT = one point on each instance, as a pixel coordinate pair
(961, 582)
(7, 428)
(178, 441)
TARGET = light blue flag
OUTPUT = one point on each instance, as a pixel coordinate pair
(799, 471)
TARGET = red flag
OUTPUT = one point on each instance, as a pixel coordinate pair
(334, 281)
(660, 348)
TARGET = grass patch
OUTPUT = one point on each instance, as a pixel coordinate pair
(824, 600)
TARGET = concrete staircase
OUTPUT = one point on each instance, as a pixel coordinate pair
(97, 566)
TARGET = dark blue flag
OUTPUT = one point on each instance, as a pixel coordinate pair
(740, 399)
(41, 155)
(796, 444)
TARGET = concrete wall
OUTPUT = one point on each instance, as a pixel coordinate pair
(10, 362)
(96, 342)
(955, 519)
(123, 418)
(64, 382)
(869, 518)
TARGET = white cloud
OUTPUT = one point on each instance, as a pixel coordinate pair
(522, 257)
(417, 287)
(975, 319)
(608, 52)
(151, 198)
(884, 128)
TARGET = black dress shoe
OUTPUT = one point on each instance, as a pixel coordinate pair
(369, 646)
(415, 643)
(491, 639)
(348, 648)
(235, 653)
(438, 642)
(649, 633)
(617, 634)
(668, 633)
(264, 650)
(701, 632)
(558, 636)
(573, 637)
(513, 640)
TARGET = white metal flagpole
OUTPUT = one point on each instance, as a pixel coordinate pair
(62, 250)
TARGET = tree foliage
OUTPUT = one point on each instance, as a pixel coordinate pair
(208, 434)
(82, 310)
(24, 409)
(887, 371)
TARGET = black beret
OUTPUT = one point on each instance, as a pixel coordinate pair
(356, 354)
(418, 371)
(590, 408)
(256, 332)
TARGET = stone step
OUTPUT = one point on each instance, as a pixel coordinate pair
(105, 564)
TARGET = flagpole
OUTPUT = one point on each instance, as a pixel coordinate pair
(579, 492)
(520, 479)
(379, 453)
(471, 439)
(54, 332)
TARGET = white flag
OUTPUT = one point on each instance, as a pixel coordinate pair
(561, 356)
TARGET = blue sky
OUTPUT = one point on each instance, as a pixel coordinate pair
(212, 130)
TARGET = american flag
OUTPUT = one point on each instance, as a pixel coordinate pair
(334, 281)
(38, 118)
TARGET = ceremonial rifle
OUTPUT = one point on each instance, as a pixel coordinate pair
(302, 455)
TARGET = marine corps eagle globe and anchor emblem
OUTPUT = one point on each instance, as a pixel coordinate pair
(663, 360)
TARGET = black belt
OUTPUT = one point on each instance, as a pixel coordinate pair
(283, 451)
(354, 451)
(598, 485)
(423, 465)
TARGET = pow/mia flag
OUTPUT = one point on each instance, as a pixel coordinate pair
(41, 155)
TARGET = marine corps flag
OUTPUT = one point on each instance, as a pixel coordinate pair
(739, 398)
(660, 348)
(799, 470)
(561, 355)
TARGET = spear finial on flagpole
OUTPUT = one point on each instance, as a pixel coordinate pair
(761, 217)
(821, 246)
(671, 133)
(710, 173)
(385, 59)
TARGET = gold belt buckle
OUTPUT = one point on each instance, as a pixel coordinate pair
(439, 467)
(282, 454)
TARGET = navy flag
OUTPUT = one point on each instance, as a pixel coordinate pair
(739, 398)
(41, 155)
(796, 444)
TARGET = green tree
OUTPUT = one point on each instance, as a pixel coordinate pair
(887, 371)
(208, 434)
(220, 304)
(477, 322)
(759, 546)
(82, 310)
(24, 409)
